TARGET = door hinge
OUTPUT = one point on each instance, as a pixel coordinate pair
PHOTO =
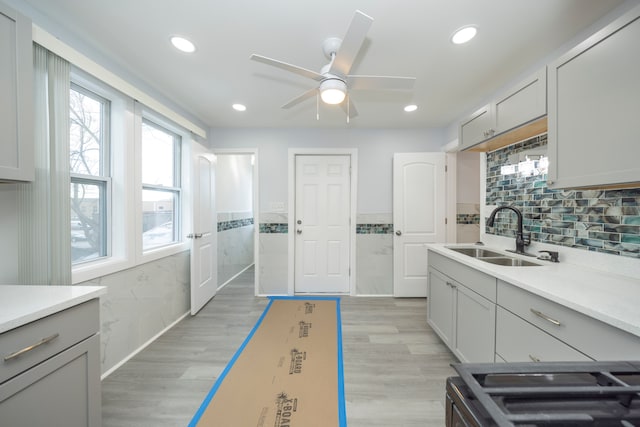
(446, 221)
(446, 168)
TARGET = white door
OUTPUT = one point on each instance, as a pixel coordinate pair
(418, 218)
(322, 218)
(204, 266)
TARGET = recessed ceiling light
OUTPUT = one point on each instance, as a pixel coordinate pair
(464, 34)
(239, 107)
(410, 108)
(183, 44)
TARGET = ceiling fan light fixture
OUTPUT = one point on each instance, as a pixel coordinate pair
(239, 107)
(183, 44)
(333, 91)
(464, 34)
(410, 108)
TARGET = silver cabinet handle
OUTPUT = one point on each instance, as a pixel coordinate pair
(31, 347)
(545, 317)
(533, 358)
(194, 236)
(398, 233)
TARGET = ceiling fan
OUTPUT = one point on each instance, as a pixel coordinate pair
(334, 79)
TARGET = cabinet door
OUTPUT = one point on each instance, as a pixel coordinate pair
(520, 341)
(440, 309)
(62, 391)
(594, 106)
(523, 103)
(16, 139)
(476, 128)
(475, 327)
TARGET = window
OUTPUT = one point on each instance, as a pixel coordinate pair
(90, 174)
(161, 201)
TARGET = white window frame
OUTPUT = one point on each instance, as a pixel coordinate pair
(143, 256)
(102, 180)
(120, 203)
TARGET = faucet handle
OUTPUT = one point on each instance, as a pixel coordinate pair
(526, 237)
(552, 254)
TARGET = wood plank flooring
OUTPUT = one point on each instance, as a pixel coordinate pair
(395, 366)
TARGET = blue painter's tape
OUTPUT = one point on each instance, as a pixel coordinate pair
(222, 376)
(342, 412)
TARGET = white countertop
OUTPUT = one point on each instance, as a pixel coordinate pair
(20, 305)
(610, 298)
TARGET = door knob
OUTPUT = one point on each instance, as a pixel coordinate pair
(299, 231)
(398, 233)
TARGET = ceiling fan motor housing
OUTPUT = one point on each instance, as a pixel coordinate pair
(331, 46)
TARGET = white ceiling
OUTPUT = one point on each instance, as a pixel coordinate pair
(407, 38)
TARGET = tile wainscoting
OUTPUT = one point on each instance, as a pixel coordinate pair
(606, 221)
(374, 254)
(235, 244)
(140, 303)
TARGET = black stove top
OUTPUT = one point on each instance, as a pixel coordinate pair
(550, 394)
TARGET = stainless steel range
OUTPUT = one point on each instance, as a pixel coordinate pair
(544, 394)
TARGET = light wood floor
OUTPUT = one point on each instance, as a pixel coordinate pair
(394, 365)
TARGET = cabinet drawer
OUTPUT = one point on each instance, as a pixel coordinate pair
(519, 341)
(60, 331)
(592, 337)
(475, 280)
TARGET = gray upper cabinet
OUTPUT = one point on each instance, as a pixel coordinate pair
(518, 106)
(594, 108)
(16, 102)
(476, 127)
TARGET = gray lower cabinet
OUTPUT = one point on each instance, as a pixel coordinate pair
(16, 101)
(520, 341)
(529, 315)
(459, 311)
(50, 372)
(594, 105)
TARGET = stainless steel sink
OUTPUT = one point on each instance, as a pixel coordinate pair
(476, 252)
(510, 262)
(493, 257)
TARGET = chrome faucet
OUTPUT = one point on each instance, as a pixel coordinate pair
(520, 237)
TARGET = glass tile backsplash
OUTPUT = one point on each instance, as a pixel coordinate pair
(597, 220)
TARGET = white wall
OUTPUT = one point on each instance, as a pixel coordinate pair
(375, 154)
(234, 183)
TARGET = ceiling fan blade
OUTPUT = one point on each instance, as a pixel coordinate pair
(351, 43)
(298, 99)
(380, 83)
(288, 67)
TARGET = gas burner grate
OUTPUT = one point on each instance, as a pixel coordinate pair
(556, 393)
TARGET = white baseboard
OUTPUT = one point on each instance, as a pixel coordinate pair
(142, 347)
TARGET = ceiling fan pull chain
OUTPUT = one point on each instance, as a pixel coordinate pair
(318, 105)
(348, 105)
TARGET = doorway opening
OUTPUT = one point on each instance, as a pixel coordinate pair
(236, 213)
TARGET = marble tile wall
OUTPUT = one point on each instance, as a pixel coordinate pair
(141, 302)
(606, 221)
(374, 254)
(467, 222)
(235, 244)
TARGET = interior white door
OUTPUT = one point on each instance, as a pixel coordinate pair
(322, 218)
(419, 211)
(204, 266)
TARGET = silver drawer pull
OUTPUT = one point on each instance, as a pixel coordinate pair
(31, 347)
(545, 317)
(533, 358)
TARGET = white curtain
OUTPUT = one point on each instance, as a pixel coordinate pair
(45, 228)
